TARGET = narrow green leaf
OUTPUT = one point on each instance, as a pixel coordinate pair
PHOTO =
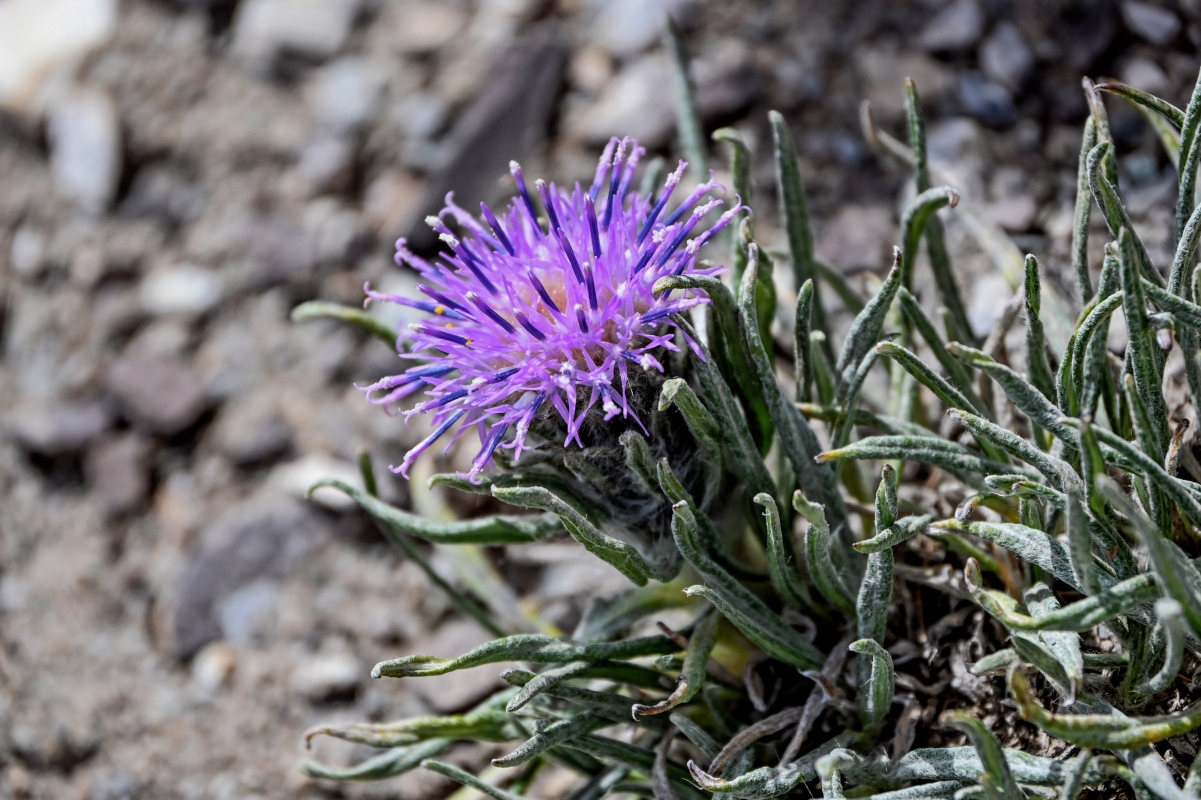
(867, 325)
(875, 695)
(1036, 339)
(676, 392)
(692, 673)
(551, 736)
(913, 224)
(385, 765)
(1060, 472)
(737, 603)
(851, 389)
(818, 553)
(467, 779)
(740, 174)
(320, 309)
(957, 373)
(795, 436)
(1081, 546)
(782, 563)
(533, 647)
(625, 557)
(1147, 375)
(1103, 731)
(1115, 214)
(1169, 613)
(900, 531)
(804, 345)
(1190, 158)
(1137, 96)
(1083, 210)
(794, 211)
(1029, 400)
(931, 450)
(998, 780)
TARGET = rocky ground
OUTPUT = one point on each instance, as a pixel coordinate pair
(176, 176)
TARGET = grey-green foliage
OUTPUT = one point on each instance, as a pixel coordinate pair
(1074, 544)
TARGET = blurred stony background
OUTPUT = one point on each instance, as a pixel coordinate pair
(176, 176)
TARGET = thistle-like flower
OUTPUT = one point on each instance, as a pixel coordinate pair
(528, 311)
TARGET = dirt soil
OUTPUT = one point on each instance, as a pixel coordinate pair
(176, 176)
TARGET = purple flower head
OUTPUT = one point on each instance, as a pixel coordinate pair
(526, 314)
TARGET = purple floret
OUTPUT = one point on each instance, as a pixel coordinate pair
(522, 315)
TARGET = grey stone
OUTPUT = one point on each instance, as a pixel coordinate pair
(247, 615)
(986, 101)
(956, 26)
(117, 470)
(425, 26)
(85, 148)
(157, 391)
(858, 237)
(1151, 22)
(251, 429)
(628, 27)
(180, 289)
(1005, 56)
(41, 40)
(59, 428)
(638, 102)
(264, 538)
(344, 94)
(28, 251)
(265, 29)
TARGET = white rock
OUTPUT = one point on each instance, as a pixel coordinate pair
(41, 40)
(295, 477)
(322, 676)
(180, 289)
(28, 251)
(627, 27)
(213, 666)
(85, 147)
(425, 27)
(345, 94)
(264, 28)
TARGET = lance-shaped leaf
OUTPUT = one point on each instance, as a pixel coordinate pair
(740, 174)
(794, 211)
(633, 674)
(498, 529)
(388, 764)
(942, 389)
(1115, 214)
(795, 436)
(1081, 546)
(923, 449)
(551, 736)
(782, 563)
(1190, 159)
(489, 722)
(818, 549)
(867, 325)
(633, 756)
(957, 373)
(936, 247)
(1040, 549)
(1176, 572)
(1029, 400)
(737, 603)
(875, 588)
(534, 647)
(804, 346)
(1105, 731)
(963, 763)
(1063, 645)
(1058, 471)
(900, 531)
(998, 780)
(1036, 338)
(1083, 615)
(1094, 326)
(625, 557)
(1142, 464)
(1170, 615)
(1145, 367)
(765, 782)
(740, 447)
(676, 392)
(913, 223)
(876, 692)
(467, 779)
(851, 389)
(692, 673)
(1083, 210)
(1145, 99)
